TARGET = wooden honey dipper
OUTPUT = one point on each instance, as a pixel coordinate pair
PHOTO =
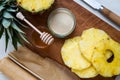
(45, 37)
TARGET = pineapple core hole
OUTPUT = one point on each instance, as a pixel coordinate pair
(109, 55)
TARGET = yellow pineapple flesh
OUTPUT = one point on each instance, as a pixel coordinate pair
(99, 61)
(72, 56)
(90, 54)
(86, 73)
(35, 5)
(90, 38)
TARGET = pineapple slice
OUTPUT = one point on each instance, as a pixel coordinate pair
(72, 55)
(89, 39)
(99, 61)
(86, 73)
(88, 55)
(35, 5)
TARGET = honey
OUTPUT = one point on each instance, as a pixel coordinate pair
(36, 40)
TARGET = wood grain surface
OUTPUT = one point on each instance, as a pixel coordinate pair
(84, 20)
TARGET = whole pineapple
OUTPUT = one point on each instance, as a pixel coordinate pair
(35, 6)
(9, 24)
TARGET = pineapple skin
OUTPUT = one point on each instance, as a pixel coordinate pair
(35, 6)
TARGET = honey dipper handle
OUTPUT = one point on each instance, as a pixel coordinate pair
(20, 16)
(112, 16)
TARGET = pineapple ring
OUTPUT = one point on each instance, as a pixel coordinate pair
(72, 55)
(89, 39)
(99, 61)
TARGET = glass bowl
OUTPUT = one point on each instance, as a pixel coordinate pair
(61, 22)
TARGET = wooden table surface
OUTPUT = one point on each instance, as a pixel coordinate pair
(84, 20)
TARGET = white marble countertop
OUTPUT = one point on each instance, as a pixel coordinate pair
(113, 5)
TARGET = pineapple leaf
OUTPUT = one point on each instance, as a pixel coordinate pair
(1, 32)
(18, 39)
(20, 23)
(1, 8)
(23, 37)
(7, 15)
(5, 1)
(6, 23)
(12, 10)
(11, 32)
(14, 42)
(9, 24)
(6, 39)
(13, 6)
(14, 26)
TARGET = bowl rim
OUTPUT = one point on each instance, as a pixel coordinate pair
(69, 32)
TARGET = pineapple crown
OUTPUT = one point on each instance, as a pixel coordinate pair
(9, 25)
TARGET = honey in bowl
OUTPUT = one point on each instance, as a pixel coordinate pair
(36, 40)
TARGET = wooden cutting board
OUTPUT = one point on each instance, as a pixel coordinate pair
(84, 20)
